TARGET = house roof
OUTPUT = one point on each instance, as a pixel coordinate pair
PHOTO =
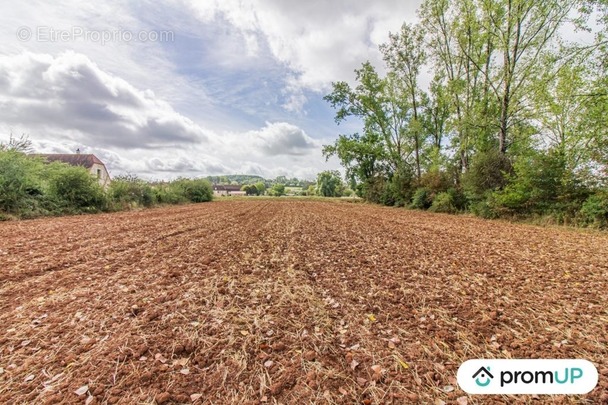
(483, 370)
(86, 160)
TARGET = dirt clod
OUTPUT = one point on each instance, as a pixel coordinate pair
(162, 398)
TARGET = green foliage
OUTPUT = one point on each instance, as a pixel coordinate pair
(422, 199)
(169, 193)
(329, 184)
(485, 207)
(374, 190)
(513, 123)
(540, 184)
(488, 171)
(459, 198)
(250, 189)
(31, 188)
(399, 188)
(444, 202)
(260, 187)
(594, 211)
(20, 182)
(72, 189)
(436, 181)
(277, 190)
(129, 191)
(194, 190)
(363, 157)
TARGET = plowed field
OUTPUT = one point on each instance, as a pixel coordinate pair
(287, 301)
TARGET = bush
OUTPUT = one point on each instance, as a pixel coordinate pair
(459, 199)
(31, 188)
(398, 191)
(594, 211)
(194, 190)
(542, 184)
(166, 193)
(261, 187)
(373, 190)
(129, 192)
(435, 181)
(488, 171)
(422, 199)
(20, 183)
(444, 202)
(485, 207)
(73, 190)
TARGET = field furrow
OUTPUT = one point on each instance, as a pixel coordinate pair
(287, 301)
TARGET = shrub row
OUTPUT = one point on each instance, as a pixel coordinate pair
(30, 188)
(538, 187)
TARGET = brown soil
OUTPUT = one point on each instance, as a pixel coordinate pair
(285, 301)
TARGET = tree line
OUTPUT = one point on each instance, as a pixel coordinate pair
(512, 124)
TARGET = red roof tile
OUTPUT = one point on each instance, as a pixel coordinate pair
(86, 160)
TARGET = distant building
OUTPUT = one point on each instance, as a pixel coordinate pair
(88, 161)
(226, 190)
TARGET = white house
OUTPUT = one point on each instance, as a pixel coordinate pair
(88, 161)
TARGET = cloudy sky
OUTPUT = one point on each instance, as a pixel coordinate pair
(187, 88)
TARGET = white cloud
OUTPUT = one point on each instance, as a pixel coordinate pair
(319, 41)
(70, 91)
(281, 138)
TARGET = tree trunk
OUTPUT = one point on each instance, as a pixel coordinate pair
(504, 119)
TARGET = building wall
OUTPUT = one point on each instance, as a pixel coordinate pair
(224, 193)
(102, 175)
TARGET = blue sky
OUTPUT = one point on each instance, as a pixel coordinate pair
(234, 87)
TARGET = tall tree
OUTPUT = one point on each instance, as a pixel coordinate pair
(559, 101)
(437, 112)
(379, 103)
(453, 32)
(404, 56)
(524, 31)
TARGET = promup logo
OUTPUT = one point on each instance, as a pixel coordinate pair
(538, 376)
(483, 374)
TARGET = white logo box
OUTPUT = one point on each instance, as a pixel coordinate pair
(527, 376)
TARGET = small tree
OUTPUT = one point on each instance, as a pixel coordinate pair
(261, 187)
(250, 189)
(277, 190)
(329, 184)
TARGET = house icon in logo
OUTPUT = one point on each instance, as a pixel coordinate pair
(484, 374)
